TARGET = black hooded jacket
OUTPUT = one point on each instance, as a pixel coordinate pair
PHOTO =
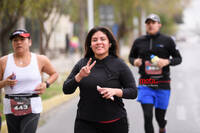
(109, 72)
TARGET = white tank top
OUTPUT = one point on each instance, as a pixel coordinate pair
(27, 77)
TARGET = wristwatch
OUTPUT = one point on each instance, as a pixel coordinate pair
(47, 84)
(169, 61)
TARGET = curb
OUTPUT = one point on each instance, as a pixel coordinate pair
(48, 105)
(57, 100)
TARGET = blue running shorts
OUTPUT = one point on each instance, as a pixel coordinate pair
(158, 97)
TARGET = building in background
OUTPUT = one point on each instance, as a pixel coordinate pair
(57, 41)
(63, 27)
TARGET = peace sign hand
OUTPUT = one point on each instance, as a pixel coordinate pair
(85, 71)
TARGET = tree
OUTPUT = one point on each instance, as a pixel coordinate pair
(124, 12)
(170, 13)
(77, 11)
(42, 10)
(10, 13)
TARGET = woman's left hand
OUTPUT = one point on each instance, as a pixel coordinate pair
(85, 71)
(107, 93)
(40, 89)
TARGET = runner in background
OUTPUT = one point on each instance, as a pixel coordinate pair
(74, 44)
(154, 53)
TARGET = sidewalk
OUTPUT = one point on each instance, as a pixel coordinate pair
(65, 62)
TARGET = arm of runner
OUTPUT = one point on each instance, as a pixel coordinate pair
(137, 62)
(85, 71)
(46, 67)
(175, 54)
(163, 62)
(8, 81)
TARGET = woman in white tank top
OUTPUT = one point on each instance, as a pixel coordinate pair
(20, 76)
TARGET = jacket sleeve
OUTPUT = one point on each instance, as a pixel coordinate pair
(70, 84)
(175, 54)
(128, 83)
(133, 53)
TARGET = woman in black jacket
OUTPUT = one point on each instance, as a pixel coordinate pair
(103, 79)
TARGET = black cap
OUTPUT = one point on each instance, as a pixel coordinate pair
(20, 32)
(153, 17)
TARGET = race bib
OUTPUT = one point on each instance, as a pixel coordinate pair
(152, 69)
(20, 106)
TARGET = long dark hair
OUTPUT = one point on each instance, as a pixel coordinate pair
(113, 50)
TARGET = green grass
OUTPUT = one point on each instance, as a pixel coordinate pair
(1, 110)
(54, 90)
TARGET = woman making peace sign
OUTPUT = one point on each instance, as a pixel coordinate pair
(103, 79)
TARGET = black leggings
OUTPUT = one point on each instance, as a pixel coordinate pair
(83, 126)
(148, 117)
(22, 124)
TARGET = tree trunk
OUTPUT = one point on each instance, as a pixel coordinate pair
(42, 51)
(81, 22)
(139, 21)
(4, 44)
(4, 37)
(47, 41)
(52, 29)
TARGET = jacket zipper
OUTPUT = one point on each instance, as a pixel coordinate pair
(151, 40)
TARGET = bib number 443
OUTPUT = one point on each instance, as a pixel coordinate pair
(21, 107)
